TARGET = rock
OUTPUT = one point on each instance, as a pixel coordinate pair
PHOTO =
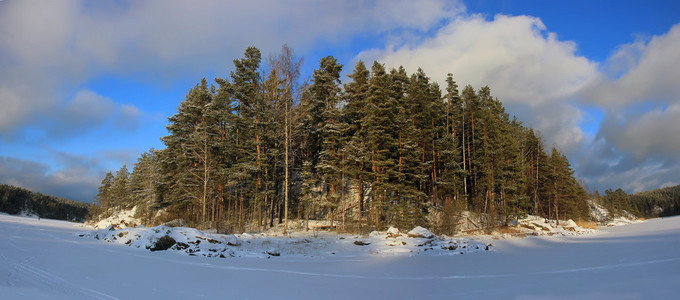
(233, 241)
(393, 232)
(542, 226)
(181, 246)
(361, 243)
(164, 243)
(175, 223)
(420, 232)
(274, 253)
(571, 225)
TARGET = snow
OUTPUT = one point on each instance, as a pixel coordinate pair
(120, 219)
(46, 259)
(420, 232)
(301, 244)
(535, 225)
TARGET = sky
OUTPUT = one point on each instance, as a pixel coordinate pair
(87, 86)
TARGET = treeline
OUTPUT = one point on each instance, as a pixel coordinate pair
(661, 202)
(15, 200)
(385, 148)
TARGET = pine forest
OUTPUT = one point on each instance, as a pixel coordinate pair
(261, 148)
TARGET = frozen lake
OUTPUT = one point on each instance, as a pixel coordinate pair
(46, 259)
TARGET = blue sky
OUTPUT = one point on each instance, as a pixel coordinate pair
(86, 86)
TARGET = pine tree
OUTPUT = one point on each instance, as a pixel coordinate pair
(354, 150)
(470, 107)
(120, 190)
(144, 180)
(104, 197)
(189, 163)
(322, 162)
(245, 86)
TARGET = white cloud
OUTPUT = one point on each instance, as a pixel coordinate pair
(85, 112)
(69, 42)
(654, 133)
(638, 139)
(88, 108)
(12, 108)
(649, 74)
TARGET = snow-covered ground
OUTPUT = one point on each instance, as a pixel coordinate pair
(418, 241)
(49, 259)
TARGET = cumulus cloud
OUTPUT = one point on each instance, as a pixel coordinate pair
(648, 74)
(638, 142)
(70, 42)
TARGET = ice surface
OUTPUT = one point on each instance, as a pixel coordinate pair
(46, 259)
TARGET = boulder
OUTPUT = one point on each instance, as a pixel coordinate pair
(420, 232)
(175, 223)
(361, 243)
(163, 243)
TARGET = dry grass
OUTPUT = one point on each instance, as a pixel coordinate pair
(507, 229)
(587, 224)
(641, 218)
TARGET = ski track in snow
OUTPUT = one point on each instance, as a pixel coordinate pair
(23, 272)
(47, 281)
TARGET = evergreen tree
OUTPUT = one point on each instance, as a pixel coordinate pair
(355, 148)
(103, 197)
(144, 181)
(245, 86)
(119, 191)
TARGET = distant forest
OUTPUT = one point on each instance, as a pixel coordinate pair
(15, 200)
(661, 202)
(251, 151)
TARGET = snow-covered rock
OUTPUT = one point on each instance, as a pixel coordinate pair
(535, 225)
(393, 232)
(420, 232)
(571, 225)
(198, 243)
(121, 219)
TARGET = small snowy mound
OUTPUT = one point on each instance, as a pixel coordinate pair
(161, 238)
(393, 232)
(571, 225)
(420, 232)
(120, 219)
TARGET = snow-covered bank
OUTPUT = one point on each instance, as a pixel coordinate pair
(45, 259)
(418, 241)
